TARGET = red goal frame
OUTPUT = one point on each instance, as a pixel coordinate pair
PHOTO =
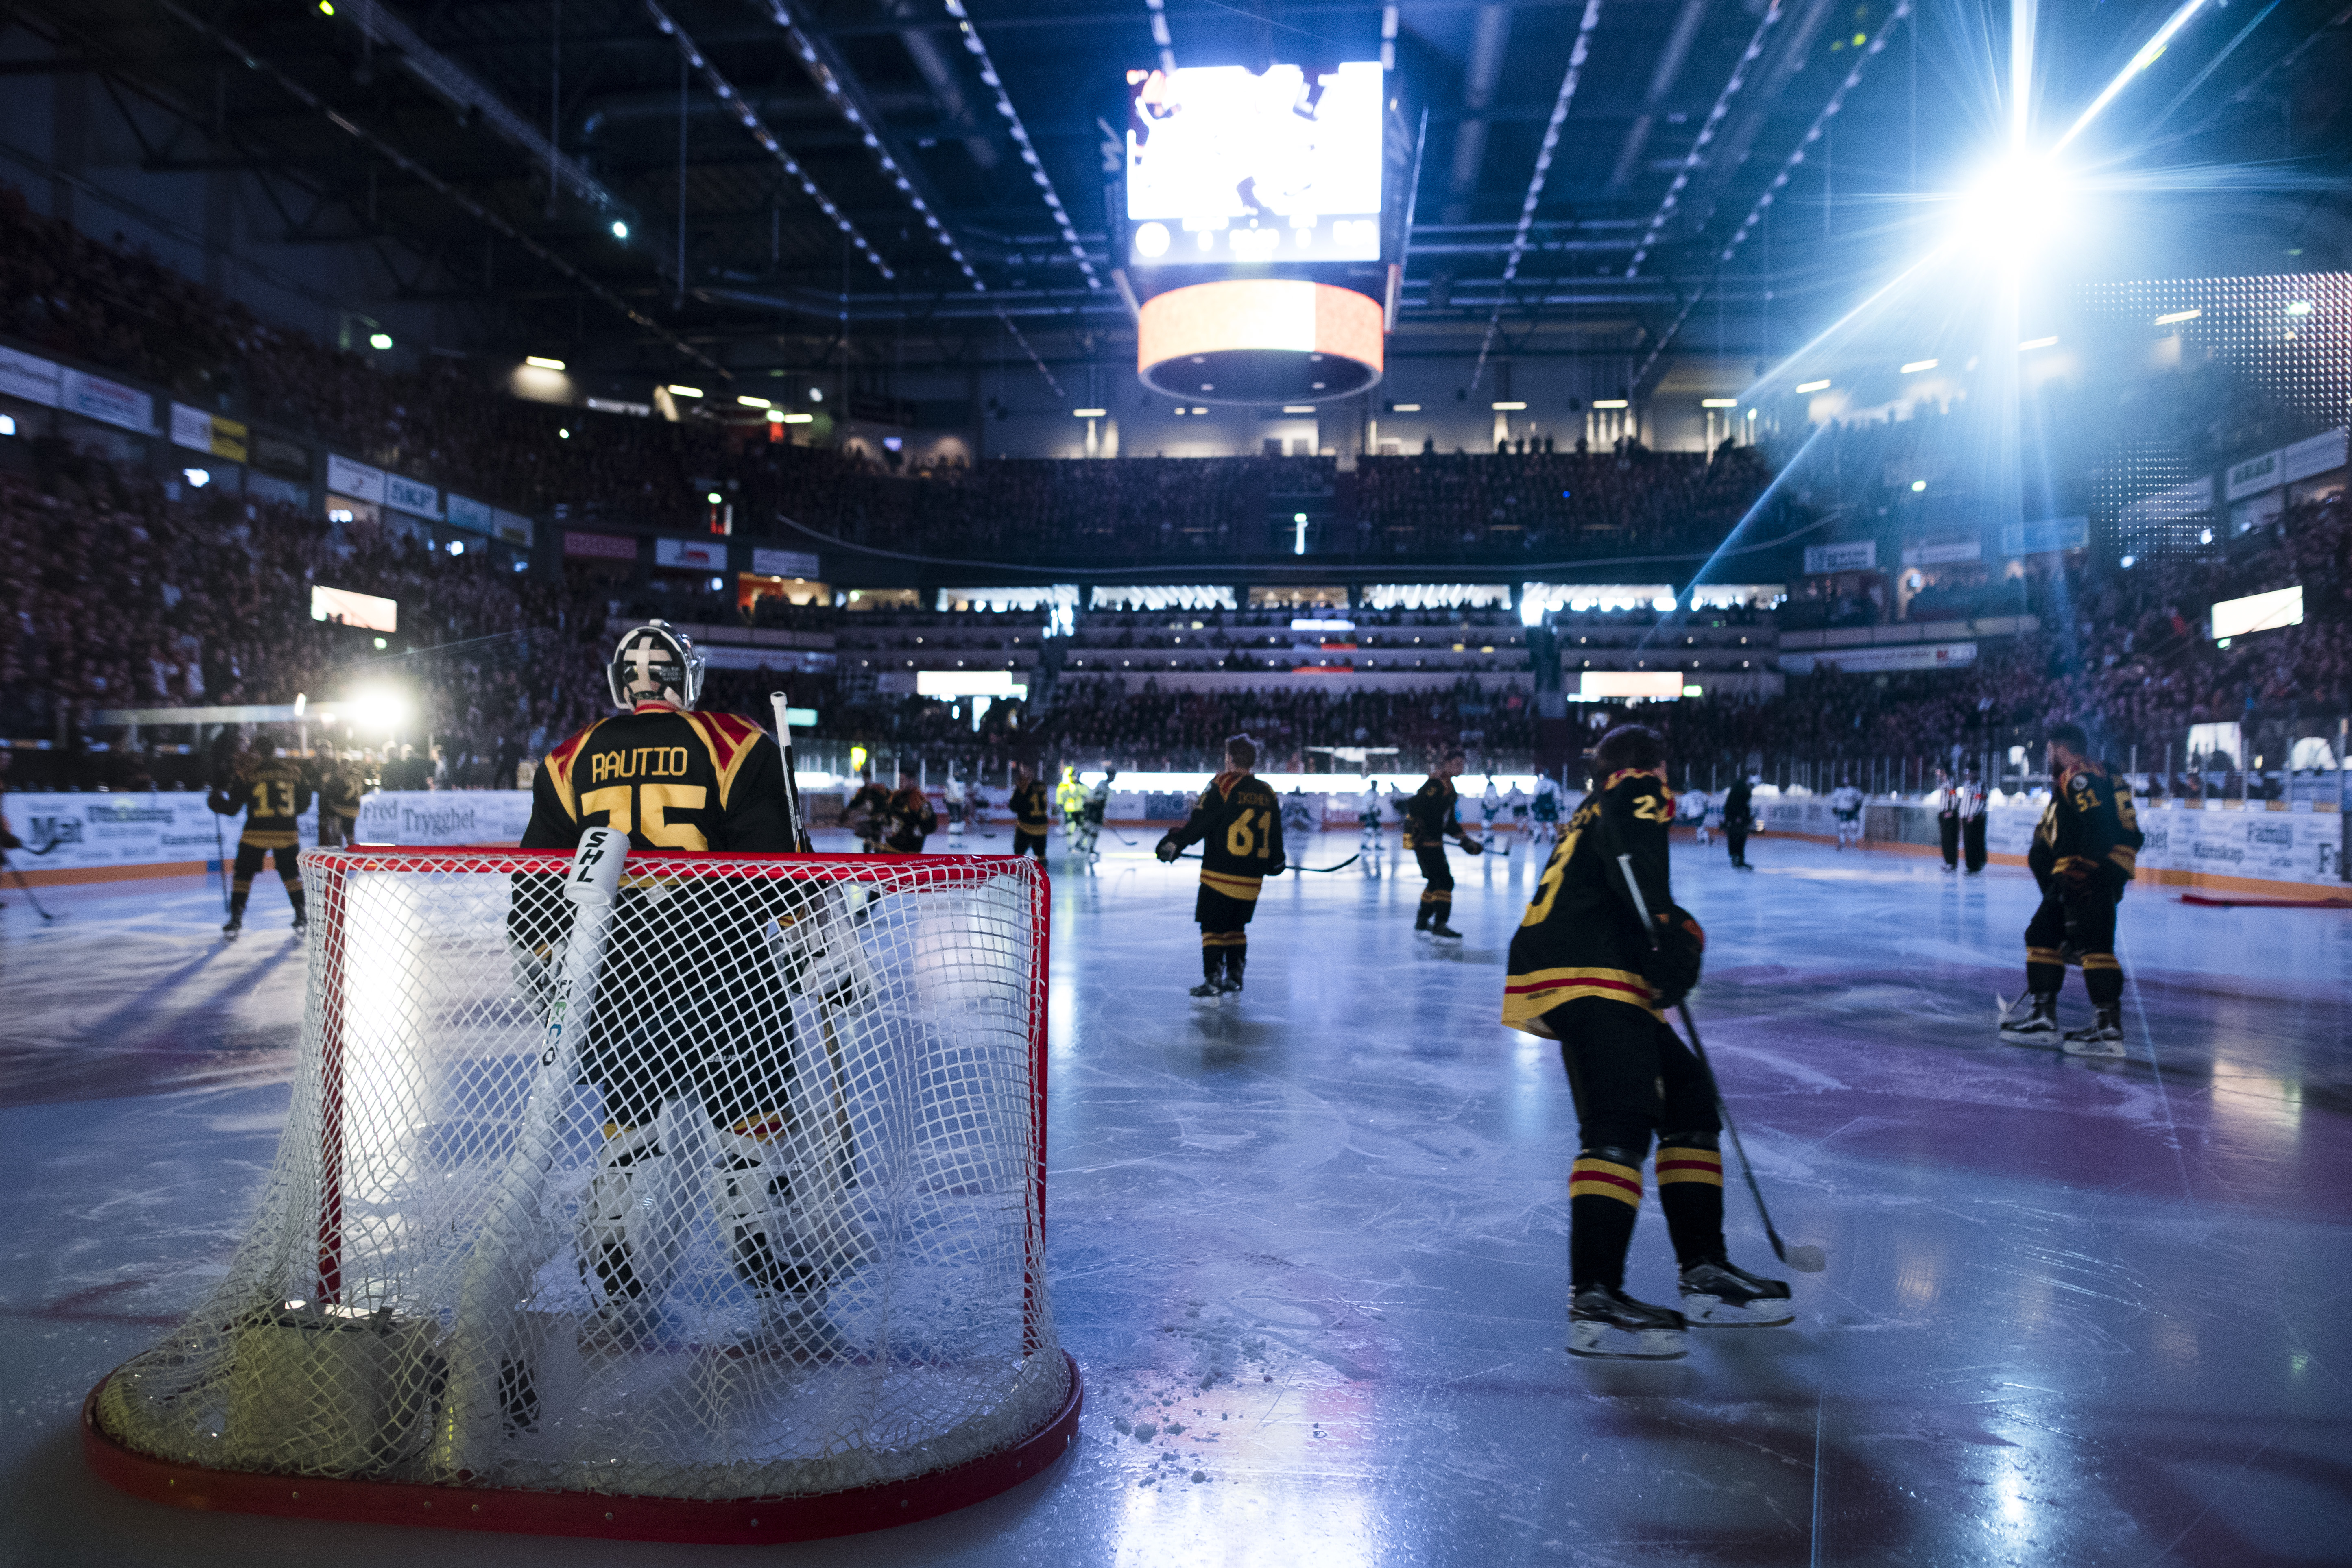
(747, 1521)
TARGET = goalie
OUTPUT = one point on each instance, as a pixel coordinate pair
(695, 1004)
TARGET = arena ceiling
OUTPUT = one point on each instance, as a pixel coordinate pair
(749, 181)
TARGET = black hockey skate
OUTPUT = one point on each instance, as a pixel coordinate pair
(2104, 1037)
(1233, 982)
(1718, 1295)
(235, 924)
(1606, 1324)
(1445, 932)
(2037, 1026)
(1209, 989)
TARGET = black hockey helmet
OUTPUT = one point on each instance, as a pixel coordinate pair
(655, 663)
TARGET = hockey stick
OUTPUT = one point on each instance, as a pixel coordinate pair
(801, 841)
(488, 1371)
(29, 890)
(1340, 866)
(220, 859)
(1805, 1259)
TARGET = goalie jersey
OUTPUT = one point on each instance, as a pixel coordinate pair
(1237, 822)
(669, 778)
(1581, 936)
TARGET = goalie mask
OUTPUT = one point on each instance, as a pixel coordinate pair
(655, 663)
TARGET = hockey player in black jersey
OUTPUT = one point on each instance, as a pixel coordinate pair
(1237, 822)
(908, 817)
(707, 1015)
(2083, 855)
(1430, 817)
(272, 792)
(1584, 971)
(868, 813)
(1031, 804)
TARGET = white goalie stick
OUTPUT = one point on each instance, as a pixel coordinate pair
(490, 1373)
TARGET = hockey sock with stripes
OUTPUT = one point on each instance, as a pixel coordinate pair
(2102, 977)
(2045, 971)
(1235, 957)
(1605, 1199)
(1690, 1191)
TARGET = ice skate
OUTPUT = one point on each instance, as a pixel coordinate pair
(2103, 1037)
(1209, 990)
(2036, 1027)
(235, 924)
(1233, 983)
(1606, 1324)
(1444, 933)
(1718, 1295)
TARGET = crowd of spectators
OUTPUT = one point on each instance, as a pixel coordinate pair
(125, 596)
(120, 308)
(1096, 719)
(1438, 507)
(2128, 653)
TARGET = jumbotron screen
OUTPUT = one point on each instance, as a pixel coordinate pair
(1225, 166)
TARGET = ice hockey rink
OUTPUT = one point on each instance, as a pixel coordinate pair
(1307, 1244)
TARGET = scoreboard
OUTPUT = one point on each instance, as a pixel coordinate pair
(1227, 167)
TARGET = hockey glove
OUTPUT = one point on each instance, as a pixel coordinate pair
(1673, 969)
(1471, 846)
(1166, 849)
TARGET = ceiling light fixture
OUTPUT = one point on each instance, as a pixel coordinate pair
(766, 138)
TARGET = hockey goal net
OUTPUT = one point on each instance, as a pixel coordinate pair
(713, 1209)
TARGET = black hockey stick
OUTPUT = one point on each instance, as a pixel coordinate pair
(1340, 866)
(34, 897)
(1805, 1259)
(220, 859)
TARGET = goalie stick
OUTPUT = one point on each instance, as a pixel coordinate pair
(491, 1380)
(1804, 1259)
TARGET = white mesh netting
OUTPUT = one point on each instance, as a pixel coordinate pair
(728, 1188)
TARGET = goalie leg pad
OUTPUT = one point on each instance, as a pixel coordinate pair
(776, 1208)
(626, 1245)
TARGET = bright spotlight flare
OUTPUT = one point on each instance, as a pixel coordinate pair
(2013, 210)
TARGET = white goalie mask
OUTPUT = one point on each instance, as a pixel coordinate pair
(655, 663)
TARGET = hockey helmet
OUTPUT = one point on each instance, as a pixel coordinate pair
(655, 663)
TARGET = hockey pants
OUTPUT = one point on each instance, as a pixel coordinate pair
(1947, 828)
(2074, 928)
(1437, 896)
(248, 865)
